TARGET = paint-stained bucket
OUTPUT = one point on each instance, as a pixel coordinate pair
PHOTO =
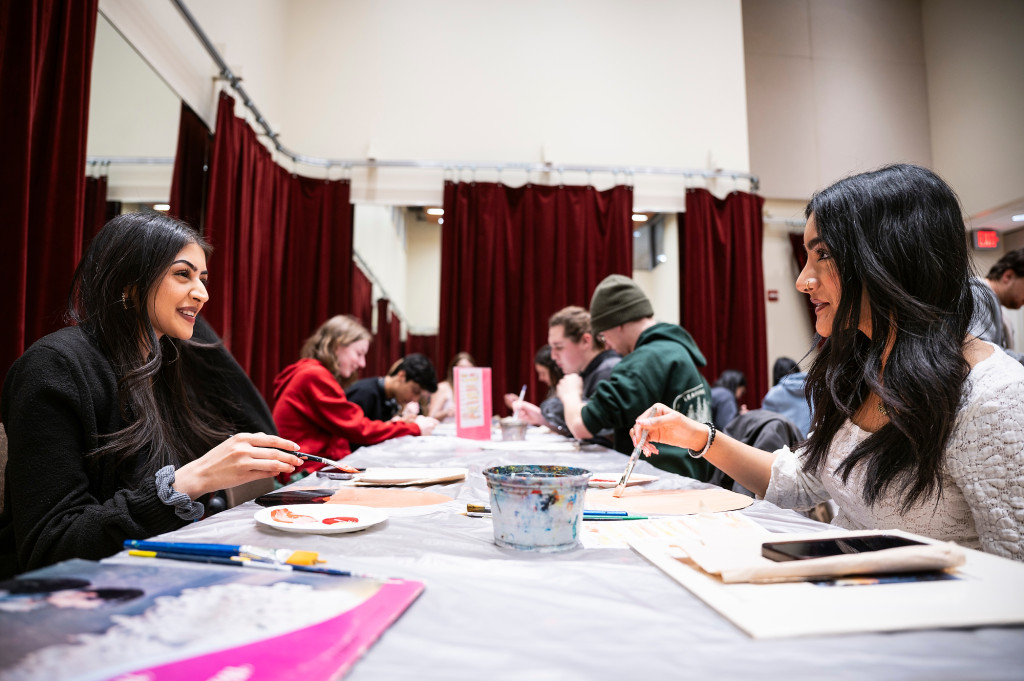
(537, 508)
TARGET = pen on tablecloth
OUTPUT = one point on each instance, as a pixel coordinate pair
(244, 562)
(227, 551)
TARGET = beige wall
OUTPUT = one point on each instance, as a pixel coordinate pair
(379, 239)
(976, 98)
(423, 286)
(833, 88)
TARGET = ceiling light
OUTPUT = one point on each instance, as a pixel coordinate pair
(161, 206)
(662, 258)
(639, 217)
(440, 221)
(1018, 218)
(435, 211)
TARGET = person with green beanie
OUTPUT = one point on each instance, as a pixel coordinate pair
(659, 365)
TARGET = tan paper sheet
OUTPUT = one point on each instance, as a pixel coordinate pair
(667, 501)
(387, 498)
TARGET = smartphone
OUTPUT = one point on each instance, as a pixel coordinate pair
(820, 548)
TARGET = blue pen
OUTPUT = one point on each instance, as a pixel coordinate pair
(604, 513)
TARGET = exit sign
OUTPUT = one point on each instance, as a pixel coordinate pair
(986, 239)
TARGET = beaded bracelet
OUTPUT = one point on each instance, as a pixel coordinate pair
(711, 438)
(184, 507)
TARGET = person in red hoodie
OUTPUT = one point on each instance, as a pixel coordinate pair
(310, 406)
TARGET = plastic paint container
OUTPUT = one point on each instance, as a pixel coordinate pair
(537, 508)
(513, 429)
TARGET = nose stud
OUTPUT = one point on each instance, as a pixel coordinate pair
(806, 286)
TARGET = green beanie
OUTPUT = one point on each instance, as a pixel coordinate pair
(617, 300)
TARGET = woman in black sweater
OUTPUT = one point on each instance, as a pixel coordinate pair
(113, 432)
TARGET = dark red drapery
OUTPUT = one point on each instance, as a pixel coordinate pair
(46, 49)
(722, 285)
(426, 345)
(510, 257)
(283, 251)
(94, 214)
(189, 182)
(361, 305)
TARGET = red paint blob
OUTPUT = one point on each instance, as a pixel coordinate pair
(333, 521)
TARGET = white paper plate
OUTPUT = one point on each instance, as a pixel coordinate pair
(312, 518)
(605, 480)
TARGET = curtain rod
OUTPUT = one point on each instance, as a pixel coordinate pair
(235, 82)
(130, 160)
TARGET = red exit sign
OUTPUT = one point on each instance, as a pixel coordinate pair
(986, 239)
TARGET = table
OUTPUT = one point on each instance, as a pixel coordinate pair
(493, 613)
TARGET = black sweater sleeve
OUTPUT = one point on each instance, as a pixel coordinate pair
(56, 505)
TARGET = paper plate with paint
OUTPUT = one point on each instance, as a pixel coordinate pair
(320, 518)
(612, 479)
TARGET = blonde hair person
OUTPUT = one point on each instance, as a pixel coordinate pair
(310, 403)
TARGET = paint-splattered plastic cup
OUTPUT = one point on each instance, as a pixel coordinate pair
(537, 508)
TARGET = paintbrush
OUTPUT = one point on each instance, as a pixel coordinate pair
(621, 487)
(243, 551)
(319, 459)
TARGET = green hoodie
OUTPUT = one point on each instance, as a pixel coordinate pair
(661, 368)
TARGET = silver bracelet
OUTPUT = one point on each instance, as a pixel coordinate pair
(184, 507)
(711, 438)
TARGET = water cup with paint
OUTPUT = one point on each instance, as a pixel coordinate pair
(537, 508)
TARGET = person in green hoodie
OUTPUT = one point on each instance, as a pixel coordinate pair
(659, 365)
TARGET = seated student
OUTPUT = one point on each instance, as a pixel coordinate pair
(917, 424)
(726, 393)
(442, 402)
(548, 373)
(113, 409)
(659, 363)
(384, 397)
(1003, 286)
(787, 396)
(310, 405)
(576, 350)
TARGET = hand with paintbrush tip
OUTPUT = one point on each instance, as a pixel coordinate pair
(620, 488)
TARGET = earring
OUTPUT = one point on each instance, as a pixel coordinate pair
(124, 300)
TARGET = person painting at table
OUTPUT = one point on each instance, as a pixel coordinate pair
(384, 397)
(112, 434)
(917, 424)
(442, 402)
(577, 350)
(659, 363)
(310, 405)
(548, 374)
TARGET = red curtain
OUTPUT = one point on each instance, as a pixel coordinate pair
(283, 251)
(46, 49)
(722, 285)
(362, 298)
(510, 257)
(94, 215)
(387, 344)
(188, 184)
(426, 345)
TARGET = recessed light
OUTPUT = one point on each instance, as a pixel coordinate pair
(1018, 218)
(662, 258)
(440, 221)
(161, 206)
(435, 211)
(639, 217)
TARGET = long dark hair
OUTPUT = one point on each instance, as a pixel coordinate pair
(543, 358)
(109, 297)
(896, 234)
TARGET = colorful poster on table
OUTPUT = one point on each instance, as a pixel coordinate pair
(473, 402)
(145, 620)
